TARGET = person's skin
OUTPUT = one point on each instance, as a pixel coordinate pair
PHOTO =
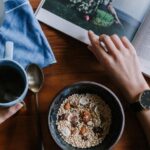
(120, 60)
(6, 113)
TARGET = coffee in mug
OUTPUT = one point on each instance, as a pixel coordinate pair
(12, 83)
(13, 79)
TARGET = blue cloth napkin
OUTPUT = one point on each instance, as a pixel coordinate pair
(21, 27)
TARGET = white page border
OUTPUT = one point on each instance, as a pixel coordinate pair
(63, 25)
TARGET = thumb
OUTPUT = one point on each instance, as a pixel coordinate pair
(5, 113)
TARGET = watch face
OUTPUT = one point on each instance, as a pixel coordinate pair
(145, 99)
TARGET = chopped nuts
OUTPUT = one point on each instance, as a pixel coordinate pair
(67, 106)
(74, 131)
(74, 104)
(86, 116)
(83, 120)
(84, 138)
(90, 123)
(62, 117)
(83, 130)
(74, 121)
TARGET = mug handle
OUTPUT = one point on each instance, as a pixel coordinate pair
(9, 47)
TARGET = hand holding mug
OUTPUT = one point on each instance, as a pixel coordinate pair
(6, 113)
(13, 84)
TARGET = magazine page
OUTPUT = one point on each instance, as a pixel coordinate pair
(75, 17)
(142, 44)
(142, 39)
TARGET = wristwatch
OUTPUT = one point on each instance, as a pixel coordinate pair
(143, 102)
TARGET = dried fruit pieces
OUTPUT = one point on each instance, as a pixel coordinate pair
(86, 116)
(67, 106)
(83, 120)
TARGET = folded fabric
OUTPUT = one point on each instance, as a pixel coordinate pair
(21, 27)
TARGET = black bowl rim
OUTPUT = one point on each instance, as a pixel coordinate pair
(92, 83)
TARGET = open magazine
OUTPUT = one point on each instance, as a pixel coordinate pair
(122, 17)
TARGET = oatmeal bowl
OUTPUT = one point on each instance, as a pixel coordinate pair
(86, 115)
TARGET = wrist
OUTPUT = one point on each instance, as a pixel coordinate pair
(135, 90)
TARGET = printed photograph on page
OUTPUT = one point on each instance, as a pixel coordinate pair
(122, 17)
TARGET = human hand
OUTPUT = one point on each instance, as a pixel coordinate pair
(121, 63)
(5, 113)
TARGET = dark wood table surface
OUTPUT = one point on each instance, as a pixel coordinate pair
(74, 63)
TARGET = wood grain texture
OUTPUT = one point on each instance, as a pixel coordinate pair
(74, 63)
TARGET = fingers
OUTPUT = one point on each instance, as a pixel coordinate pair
(93, 39)
(12, 110)
(109, 44)
(6, 113)
(96, 48)
(117, 41)
(127, 43)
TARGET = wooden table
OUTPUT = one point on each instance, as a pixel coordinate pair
(75, 63)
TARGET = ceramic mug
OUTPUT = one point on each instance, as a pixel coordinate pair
(13, 79)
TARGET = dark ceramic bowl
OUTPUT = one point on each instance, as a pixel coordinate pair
(108, 96)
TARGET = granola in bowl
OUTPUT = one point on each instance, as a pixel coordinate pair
(83, 120)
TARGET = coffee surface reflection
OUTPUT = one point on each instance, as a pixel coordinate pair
(12, 84)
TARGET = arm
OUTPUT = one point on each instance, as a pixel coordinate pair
(122, 63)
(144, 118)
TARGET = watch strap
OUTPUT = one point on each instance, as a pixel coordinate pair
(136, 107)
